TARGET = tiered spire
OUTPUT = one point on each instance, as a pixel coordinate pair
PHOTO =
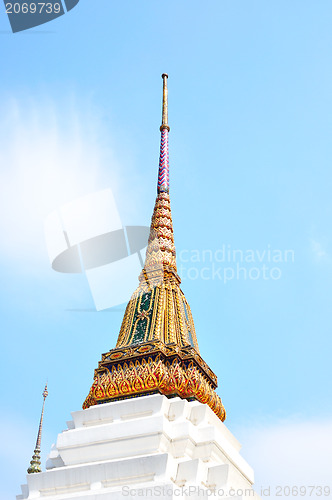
(157, 349)
(161, 253)
(35, 464)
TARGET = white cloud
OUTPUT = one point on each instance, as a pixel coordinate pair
(294, 452)
(49, 155)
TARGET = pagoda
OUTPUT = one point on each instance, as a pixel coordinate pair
(152, 423)
(157, 349)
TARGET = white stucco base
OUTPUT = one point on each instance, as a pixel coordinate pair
(145, 447)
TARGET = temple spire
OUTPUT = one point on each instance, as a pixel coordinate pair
(35, 464)
(160, 254)
(157, 349)
(163, 175)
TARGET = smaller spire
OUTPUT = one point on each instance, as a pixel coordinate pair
(35, 464)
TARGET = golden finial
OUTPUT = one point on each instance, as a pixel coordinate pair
(164, 123)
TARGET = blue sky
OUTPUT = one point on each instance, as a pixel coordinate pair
(250, 152)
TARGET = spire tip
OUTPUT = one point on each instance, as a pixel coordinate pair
(164, 122)
(45, 393)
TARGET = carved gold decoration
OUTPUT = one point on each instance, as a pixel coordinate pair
(153, 368)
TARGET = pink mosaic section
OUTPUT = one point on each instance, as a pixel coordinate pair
(163, 175)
